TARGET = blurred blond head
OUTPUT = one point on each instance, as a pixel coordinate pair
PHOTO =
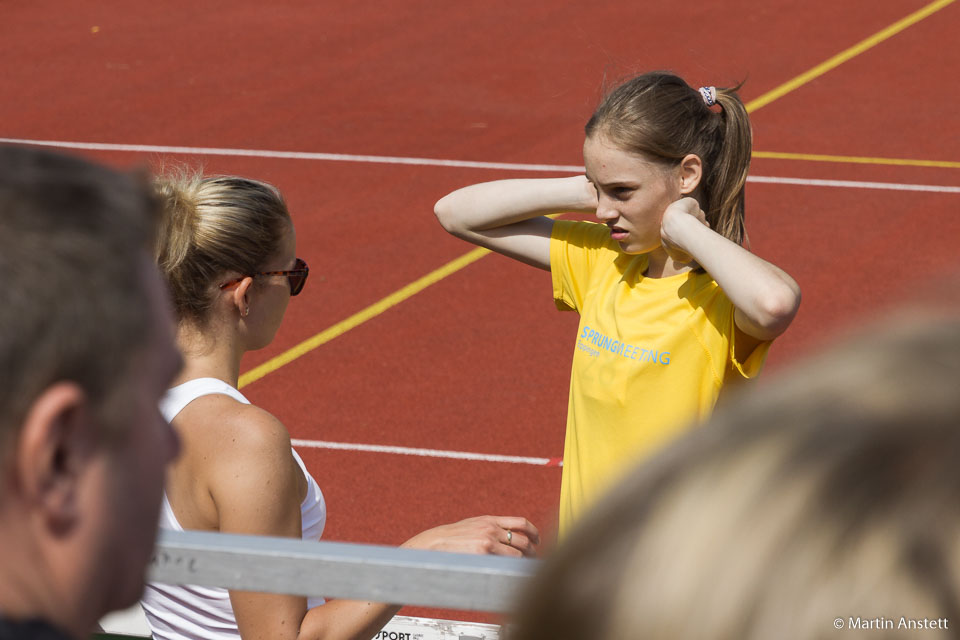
(827, 498)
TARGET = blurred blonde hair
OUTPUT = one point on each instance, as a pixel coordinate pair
(831, 494)
(212, 227)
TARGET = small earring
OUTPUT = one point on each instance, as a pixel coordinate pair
(246, 311)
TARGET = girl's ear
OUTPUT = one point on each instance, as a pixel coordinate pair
(241, 296)
(691, 170)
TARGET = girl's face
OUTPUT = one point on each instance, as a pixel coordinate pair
(273, 292)
(632, 193)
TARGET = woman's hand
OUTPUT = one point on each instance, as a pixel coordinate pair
(496, 535)
(675, 226)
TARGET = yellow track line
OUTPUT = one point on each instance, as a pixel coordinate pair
(362, 316)
(455, 265)
(815, 157)
(843, 56)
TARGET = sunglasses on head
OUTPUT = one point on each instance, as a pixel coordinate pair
(296, 277)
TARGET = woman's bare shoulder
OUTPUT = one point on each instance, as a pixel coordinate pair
(220, 423)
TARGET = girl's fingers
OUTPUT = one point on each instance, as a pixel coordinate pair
(519, 524)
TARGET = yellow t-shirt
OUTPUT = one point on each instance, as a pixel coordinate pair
(650, 358)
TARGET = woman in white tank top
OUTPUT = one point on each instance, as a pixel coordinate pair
(227, 249)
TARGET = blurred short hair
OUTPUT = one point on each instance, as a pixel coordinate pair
(74, 239)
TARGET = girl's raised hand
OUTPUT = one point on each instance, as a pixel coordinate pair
(590, 200)
(675, 225)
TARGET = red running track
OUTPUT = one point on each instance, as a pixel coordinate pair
(479, 362)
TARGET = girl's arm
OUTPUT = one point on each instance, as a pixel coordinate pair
(257, 489)
(765, 297)
(509, 216)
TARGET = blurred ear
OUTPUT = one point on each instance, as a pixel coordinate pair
(57, 442)
(691, 170)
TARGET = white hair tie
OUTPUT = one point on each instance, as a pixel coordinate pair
(709, 95)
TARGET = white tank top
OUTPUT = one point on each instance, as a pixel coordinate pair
(192, 612)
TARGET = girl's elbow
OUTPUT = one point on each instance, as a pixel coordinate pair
(446, 216)
(778, 309)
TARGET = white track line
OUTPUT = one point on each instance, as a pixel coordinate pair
(295, 155)
(435, 162)
(427, 453)
(854, 184)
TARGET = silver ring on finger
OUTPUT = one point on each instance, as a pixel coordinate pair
(509, 537)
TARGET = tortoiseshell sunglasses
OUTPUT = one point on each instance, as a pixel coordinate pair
(296, 277)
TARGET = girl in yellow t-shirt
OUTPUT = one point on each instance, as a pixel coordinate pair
(671, 304)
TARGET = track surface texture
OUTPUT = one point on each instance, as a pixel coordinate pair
(479, 360)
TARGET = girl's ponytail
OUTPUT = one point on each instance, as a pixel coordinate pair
(728, 171)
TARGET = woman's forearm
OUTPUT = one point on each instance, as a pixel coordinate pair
(489, 205)
(508, 216)
(346, 620)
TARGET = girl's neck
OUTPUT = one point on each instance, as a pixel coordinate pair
(661, 265)
(208, 354)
